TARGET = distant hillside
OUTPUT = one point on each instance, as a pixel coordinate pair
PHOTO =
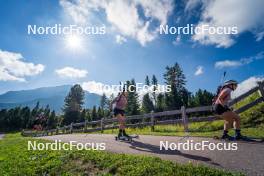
(52, 96)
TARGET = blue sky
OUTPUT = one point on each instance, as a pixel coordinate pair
(131, 47)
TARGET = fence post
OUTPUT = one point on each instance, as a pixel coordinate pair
(57, 130)
(184, 118)
(102, 125)
(71, 128)
(152, 121)
(261, 88)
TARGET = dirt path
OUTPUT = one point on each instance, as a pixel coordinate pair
(247, 159)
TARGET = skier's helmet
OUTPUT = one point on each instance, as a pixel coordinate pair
(230, 82)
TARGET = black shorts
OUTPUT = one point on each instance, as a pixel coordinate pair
(220, 109)
(119, 111)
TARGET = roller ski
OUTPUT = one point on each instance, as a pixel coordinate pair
(122, 136)
(239, 139)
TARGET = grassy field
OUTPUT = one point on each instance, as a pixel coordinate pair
(16, 159)
(202, 129)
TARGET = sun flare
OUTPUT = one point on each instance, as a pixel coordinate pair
(74, 42)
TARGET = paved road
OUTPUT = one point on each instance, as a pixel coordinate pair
(1, 136)
(248, 158)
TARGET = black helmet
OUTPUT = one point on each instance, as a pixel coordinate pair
(230, 82)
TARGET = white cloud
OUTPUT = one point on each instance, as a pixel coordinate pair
(13, 68)
(124, 15)
(79, 10)
(246, 85)
(191, 4)
(236, 63)
(177, 40)
(120, 39)
(244, 14)
(227, 63)
(259, 36)
(69, 72)
(199, 71)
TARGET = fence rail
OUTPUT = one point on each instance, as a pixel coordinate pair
(152, 119)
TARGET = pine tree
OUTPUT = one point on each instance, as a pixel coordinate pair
(34, 114)
(100, 113)
(73, 104)
(147, 81)
(154, 83)
(26, 116)
(132, 99)
(3, 119)
(51, 122)
(201, 98)
(46, 114)
(147, 104)
(94, 114)
(82, 116)
(109, 101)
(103, 101)
(176, 79)
(88, 116)
(160, 103)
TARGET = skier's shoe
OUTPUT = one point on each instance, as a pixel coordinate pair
(239, 137)
(227, 137)
(126, 135)
(120, 134)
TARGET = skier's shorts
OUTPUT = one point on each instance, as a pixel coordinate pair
(220, 109)
(119, 111)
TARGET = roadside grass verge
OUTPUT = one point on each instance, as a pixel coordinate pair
(201, 129)
(252, 124)
(16, 159)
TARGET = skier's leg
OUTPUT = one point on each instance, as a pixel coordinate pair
(124, 129)
(228, 121)
(236, 125)
(121, 125)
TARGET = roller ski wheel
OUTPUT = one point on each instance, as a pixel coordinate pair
(134, 136)
(123, 138)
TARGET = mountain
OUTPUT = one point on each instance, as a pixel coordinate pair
(52, 96)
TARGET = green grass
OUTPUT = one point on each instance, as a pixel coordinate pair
(201, 129)
(15, 159)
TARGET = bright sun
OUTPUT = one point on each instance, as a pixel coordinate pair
(74, 42)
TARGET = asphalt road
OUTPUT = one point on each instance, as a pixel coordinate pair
(248, 158)
(1, 136)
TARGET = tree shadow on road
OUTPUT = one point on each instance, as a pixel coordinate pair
(144, 147)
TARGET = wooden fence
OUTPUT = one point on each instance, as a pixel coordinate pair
(151, 119)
